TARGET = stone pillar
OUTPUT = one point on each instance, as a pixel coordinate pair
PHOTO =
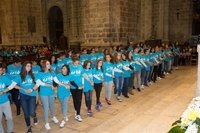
(16, 28)
(146, 20)
(198, 73)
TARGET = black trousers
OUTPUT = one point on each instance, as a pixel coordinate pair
(159, 70)
(98, 88)
(16, 99)
(77, 98)
(155, 73)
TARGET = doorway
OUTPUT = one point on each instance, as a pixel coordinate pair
(55, 25)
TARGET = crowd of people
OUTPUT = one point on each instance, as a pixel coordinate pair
(71, 73)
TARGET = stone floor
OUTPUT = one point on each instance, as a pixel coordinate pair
(151, 111)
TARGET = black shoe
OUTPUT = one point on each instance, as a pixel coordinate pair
(126, 96)
(139, 89)
(162, 77)
(29, 130)
(18, 113)
(146, 85)
(133, 87)
(35, 121)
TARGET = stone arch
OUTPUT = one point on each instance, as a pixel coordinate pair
(56, 28)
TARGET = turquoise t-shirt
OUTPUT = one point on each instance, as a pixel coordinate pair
(47, 78)
(35, 70)
(87, 85)
(76, 75)
(99, 74)
(108, 68)
(27, 84)
(13, 71)
(119, 66)
(62, 91)
(4, 82)
(127, 73)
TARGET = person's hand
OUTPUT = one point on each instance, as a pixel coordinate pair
(1, 93)
(92, 83)
(67, 87)
(122, 72)
(113, 76)
(28, 91)
(80, 88)
(53, 88)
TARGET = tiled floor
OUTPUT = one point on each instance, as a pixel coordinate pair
(151, 111)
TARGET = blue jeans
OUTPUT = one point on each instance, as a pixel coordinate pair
(125, 86)
(88, 99)
(48, 101)
(150, 73)
(64, 105)
(28, 105)
(118, 81)
(176, 60)
(143, 75)
(146, 78)
(167, 66)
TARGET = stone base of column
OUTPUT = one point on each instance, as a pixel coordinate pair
(198, 73)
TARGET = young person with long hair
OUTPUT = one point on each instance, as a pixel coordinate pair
(45, 81)
(126, 75)
(93, 58)
(131, 79)
(63, 80)
(76, 85)
(108, 77)
(88, 85)
(138, 66)
(27, 91)
(98, 80)
(118, 73)
(53, 62)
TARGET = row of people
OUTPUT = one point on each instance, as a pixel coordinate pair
(74, 75)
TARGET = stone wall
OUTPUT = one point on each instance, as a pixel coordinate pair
(180, 29)
(14, 22)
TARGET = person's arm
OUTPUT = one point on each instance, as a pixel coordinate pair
(55, 79)
(143, 63)
(40, 83)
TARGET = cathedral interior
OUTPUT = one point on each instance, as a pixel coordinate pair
(85, 23)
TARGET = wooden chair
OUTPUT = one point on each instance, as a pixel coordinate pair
(194, 58)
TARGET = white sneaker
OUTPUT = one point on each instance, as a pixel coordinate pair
(119, 99)
(142, 86)
(75, 113)
(66, 119)
(62, 123)
(55, 120)
(176, 68)
(47, 126)
(167, 73)
(78, 118)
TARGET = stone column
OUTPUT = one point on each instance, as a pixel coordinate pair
(198, 72)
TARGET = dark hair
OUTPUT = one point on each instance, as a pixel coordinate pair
(55, 62)
(23, 72)
(85, 63)
(145, 50)
(97, 65)
(127, 56)
(61, 54)
(1, 65)
(43, 65)
(67, 66)
(110, 57)
(34, 59)
(75, 58)
(16, 60)
(67, 53)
